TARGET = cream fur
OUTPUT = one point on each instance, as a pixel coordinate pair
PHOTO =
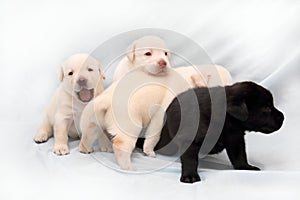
(135, 56)
(65, 108)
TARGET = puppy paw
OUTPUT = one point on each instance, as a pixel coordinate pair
(108, 149)
(190, 178)
(41, 137)
(61, 149)
(128, 167)
(150, 153)
(248, 167)
(83, 149)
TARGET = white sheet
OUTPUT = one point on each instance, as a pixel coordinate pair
(256, 41)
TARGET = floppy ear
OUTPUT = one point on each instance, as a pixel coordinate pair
(130, 52)
(61, 74)
(101, 72)
(238, 110)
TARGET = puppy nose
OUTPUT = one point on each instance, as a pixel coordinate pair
(82, 81)
(280, 117)
(162, 63)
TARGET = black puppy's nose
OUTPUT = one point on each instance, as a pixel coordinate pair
(280, 116)
(82, 81)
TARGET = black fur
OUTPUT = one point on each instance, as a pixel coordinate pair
(249, 108)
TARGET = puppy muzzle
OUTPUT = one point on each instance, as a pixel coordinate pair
(275, 124)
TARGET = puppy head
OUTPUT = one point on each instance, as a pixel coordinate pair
(151, 53)
(253, 105)
(81, 76)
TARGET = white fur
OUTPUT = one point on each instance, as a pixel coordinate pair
(135, 56)
(65, 108)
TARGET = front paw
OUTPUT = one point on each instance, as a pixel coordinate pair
(61, 149)
(128, 167)
(84, 149)
(106, 148)
(247, 167)
(150, 153)
(190, 178)
(41, 137)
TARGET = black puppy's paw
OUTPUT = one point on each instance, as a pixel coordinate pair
(248, 167)
(190, 178)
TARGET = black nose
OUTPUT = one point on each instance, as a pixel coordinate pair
(280, 116)
(82, 81)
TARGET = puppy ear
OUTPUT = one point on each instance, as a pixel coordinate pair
(101, 72)
(61, 74)
(130, 52)
(238, 110)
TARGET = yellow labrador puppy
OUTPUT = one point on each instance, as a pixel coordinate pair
(120, 113)
(205, 75)
(138, 100)
(81, 80)
(148, 51)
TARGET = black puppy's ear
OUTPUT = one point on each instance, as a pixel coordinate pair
(238, 110)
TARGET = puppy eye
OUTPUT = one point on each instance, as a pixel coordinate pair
(166, 53)
(148, 54)
(90, 69)
(70, 73)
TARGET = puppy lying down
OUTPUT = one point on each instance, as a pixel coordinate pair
(150, 51)
(246, 106)
(136, 101)
(81, 79)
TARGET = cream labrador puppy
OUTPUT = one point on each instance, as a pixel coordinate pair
(81, 80)
(148, 51)
(138, 100)
(205, 75)
(151, 51)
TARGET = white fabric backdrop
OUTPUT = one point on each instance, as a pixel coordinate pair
(256, 41)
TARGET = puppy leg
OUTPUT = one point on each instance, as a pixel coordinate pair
(45, 131)
(61, 129)
(235, 148)
(89, 136)
(189, 164)
(123, 146)
(104, 143)
(153, 132)
(149, 145)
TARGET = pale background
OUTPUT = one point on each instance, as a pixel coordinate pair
(257, 40)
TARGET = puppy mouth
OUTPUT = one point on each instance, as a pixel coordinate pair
(85, 95)
(269, 129)
(156, 70)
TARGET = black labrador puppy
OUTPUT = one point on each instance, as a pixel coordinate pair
(190, 123)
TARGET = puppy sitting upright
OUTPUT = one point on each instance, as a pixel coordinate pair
(192, 124)
(80, 78)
